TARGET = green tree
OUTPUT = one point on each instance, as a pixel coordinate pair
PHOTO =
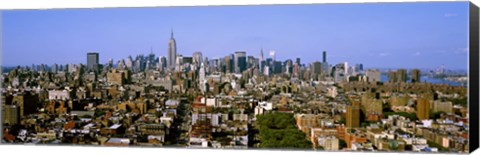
(277, 130)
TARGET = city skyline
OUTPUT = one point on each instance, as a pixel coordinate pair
(357, 77)
(112, 38)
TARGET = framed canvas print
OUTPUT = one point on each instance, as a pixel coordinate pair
(356, 77)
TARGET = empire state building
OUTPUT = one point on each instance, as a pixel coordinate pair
(172, 52)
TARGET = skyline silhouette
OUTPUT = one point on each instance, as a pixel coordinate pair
(394, 35)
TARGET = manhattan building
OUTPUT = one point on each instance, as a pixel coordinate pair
(92, 61)
(172, 52)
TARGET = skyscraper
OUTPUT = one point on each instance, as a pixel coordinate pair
(197, 58)
(229, 64)
(177, 65)
(163, 62)
(261, 61)
(296, 69)
(324, 56)
(201, 79)
(358, 67)
(346, 68)
(92, 61)
(110, 63)
(251, 62)
(172, 52)
(316, 69)
(289, 66)
(277, 67)
(240, 61)
(261, 55)
(54, 68)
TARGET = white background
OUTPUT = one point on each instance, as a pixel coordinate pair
(74, 150)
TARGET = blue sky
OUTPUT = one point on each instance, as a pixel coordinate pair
(399, 35)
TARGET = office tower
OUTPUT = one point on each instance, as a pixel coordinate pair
(178, 63)
(172, 52)
(261, 61)
(137, 66)
(42, 68)
(205, 61)
(158, 66)
(353, 115)
(151, 57)
(423, 108)
(298, 61)
(201, 79)
(240, 61)
(92, 61)
(415, 75)
(229, 64)
(261, 55)
(251, 62)
(110, 63)
(69, 68)
(324, 56)
(129, 63)
(373, 75)
(296, 70)
(122, 65)
(269, 62)
(214, 63)
(54, 68)
(148, 65)
(346, 68)
(197, 58)
(316, 68)
(266, 71)
(289, 66)
(262, 65)
(358, 67)
(277, 67)
(163, 62)
(402, 75)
